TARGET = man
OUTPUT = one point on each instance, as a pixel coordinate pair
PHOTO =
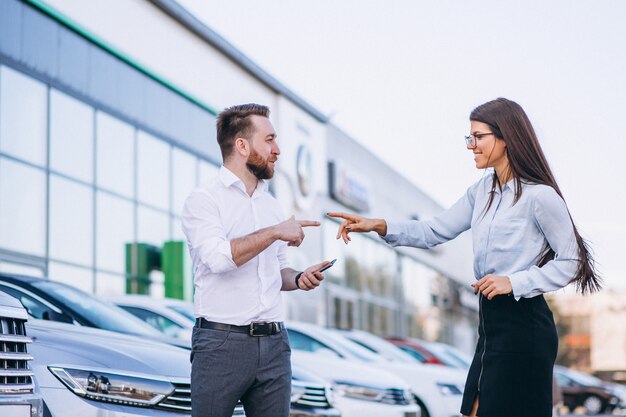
(237, 239)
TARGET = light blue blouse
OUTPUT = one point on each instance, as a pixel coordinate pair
(508, 239)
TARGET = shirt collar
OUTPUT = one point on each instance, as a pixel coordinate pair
(510, 185)
(228, 178)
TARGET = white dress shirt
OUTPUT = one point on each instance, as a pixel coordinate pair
(508, 238)
(214, 214)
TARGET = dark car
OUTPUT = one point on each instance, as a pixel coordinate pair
(583, 390)
(50, 300)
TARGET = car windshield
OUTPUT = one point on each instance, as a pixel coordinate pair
(382, 347)
(448, 355)
(184, 311)
(358, 351)
(103, 315)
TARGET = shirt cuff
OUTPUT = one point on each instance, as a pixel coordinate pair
(393, 230)
(221, 260)
(518, 281)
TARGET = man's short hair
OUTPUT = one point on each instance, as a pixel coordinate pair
(234, 122)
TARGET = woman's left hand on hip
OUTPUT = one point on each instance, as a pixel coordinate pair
(492, 285)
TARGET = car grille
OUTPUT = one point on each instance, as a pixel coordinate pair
(180, 400)
(15, 377)
(395, 396)
(314, 395)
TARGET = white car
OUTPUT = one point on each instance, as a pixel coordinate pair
(438, 389)
(171, 317)
(360, 390)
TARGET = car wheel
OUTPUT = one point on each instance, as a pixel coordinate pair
(422, 407)
(593, 404)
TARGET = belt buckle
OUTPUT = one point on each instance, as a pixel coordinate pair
(266, 328)
(253, 327)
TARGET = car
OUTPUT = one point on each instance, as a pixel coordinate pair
(581, 389)
(434, 353)
(79, 368)
(416, 349)
(19, 396)
(171, 317)
(87, 372)
(438, 390)
(358, 375)
(55, 301)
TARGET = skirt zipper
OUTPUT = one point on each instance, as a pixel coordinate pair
(482, 356)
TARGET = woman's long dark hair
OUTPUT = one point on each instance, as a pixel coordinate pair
(527, 163)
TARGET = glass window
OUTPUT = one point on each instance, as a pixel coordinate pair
(19, 269)
(22, 214)
(71, 136)
(115, 227)
(34, 305)
(159, 322)
(102, 314)
(153, 173)
(300, 341)
(81, 278)
(110, 284)
(206, 171)
(153, 227)
(23, 116)
(115, 144)
(183, 178)
(71, 221)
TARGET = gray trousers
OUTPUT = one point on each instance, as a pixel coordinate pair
(227, 367)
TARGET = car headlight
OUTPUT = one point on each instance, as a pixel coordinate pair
(112, 386)
(449, 389)
(359, 392)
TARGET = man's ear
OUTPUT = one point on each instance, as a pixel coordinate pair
(242, 146)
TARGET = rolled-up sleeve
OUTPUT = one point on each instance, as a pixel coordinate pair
(205, 234)
(442, 228)
(553, 219)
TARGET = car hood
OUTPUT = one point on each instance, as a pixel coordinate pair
(342, 370)
(65, 344)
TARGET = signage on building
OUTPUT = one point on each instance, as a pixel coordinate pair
(347, 186)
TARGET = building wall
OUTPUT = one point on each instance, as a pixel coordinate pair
(108, 133)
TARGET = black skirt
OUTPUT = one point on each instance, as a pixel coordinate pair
(511, 374)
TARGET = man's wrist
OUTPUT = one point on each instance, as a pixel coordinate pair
(297, 279)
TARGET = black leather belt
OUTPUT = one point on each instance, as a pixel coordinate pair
(253, 329)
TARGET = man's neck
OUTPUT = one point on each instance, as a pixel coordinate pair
(250, 181)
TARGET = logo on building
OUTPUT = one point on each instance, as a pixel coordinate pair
(304, 169)
(347, 186)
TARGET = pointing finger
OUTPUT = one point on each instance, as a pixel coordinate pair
(308, 223)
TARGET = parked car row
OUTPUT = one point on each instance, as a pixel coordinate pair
(129, 355)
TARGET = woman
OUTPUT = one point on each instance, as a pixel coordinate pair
(525, 244)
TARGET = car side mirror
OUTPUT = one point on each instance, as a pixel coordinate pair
(54, 316)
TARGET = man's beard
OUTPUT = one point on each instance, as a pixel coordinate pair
(258, 166)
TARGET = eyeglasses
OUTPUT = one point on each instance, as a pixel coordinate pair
(470, 140)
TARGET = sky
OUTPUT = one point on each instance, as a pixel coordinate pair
(402, 76)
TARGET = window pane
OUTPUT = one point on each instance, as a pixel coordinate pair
(22, 214)
(115, 143)
(207, 171)
(153, 226)
(19, 269)
(183, 178)
(110, 284)
(71, 136)
(153, 161)
(23, 115)
(71, 221)
(81, 278)
(114, 229)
